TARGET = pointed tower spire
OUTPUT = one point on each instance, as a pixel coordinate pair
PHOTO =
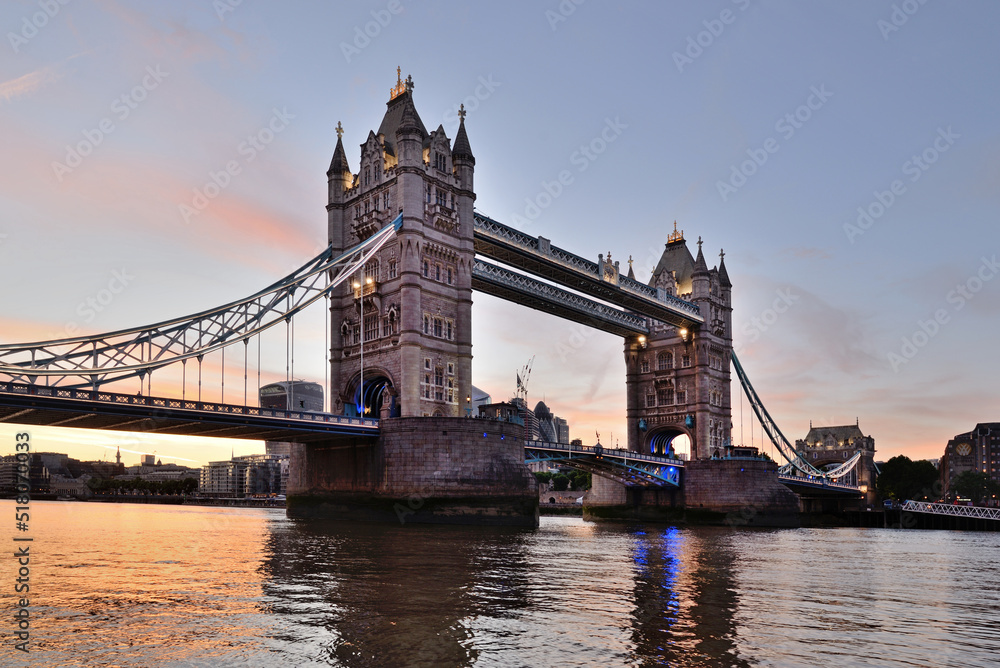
(338, 165)
(723, 274)
(700, 267)
(409, 121)
(462, 148)
(118, 455)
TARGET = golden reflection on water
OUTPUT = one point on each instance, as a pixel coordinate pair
(145, 585)
(141, 584)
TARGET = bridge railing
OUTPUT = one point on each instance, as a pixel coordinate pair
(977, 512)
(606, 452)
(817, 481)
(181, 404)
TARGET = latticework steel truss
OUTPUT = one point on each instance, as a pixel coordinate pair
(977, 512)
(91, 361)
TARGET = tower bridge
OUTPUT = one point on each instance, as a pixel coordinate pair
(398, 278)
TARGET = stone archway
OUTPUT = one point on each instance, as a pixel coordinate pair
(376, 382)
(661, 441)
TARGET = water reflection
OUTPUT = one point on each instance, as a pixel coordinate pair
(133, 585)
(378, 595)
(685, 598)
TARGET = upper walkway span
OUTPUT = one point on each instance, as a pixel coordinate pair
(538, 256)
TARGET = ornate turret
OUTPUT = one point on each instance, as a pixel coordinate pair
(462, 148)
(339, 176)
(700, 276)
(723, 274)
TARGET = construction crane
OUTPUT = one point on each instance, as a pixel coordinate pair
(522, 379)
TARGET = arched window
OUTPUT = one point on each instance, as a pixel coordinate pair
(664, 361)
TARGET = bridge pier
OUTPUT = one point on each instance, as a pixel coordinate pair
(418, 470)
(714, 491)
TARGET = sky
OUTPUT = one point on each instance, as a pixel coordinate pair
(845, 154)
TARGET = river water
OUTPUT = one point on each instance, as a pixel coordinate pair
(148, 585)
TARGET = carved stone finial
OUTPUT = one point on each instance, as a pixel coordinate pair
(409, 82)
(461, 112)
(629, 261)
(340, 130)
(699, 242)
(722, 254)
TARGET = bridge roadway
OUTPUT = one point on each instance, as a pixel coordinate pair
(632, 469)
(61, 407)
(816, 486)
(536, 255)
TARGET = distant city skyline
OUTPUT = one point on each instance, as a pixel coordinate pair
(164, 159)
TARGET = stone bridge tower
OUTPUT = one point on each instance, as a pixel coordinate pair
(678, 381)
(413, 306)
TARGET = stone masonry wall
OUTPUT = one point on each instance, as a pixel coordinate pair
(730, 485)
(418, 456)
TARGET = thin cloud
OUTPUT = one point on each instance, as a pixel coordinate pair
(29, 83)
(34, 81)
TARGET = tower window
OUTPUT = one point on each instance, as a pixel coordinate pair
(664, 361)
(686, 361)
(644, 366)
(449, 275)
(427, 269)
(650, 399)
